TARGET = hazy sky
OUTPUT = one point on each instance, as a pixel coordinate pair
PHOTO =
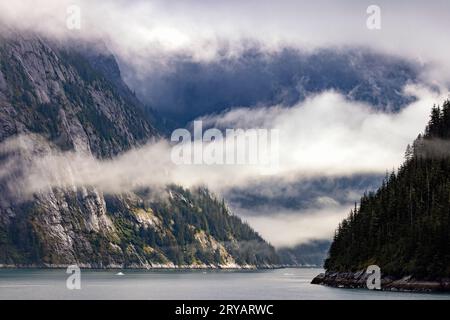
(200, 27)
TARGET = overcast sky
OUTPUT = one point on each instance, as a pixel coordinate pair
(412, 28)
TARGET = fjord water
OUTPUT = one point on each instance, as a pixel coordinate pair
(180, 284)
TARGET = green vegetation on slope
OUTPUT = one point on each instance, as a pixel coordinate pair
(404, 227)
(77, 101)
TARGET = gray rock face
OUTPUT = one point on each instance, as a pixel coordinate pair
(57, 98)
(55, 95)
(388, 283)
(54, 91)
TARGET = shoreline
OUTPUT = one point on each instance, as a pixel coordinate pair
(357, 280)
(141, 267)
(156, 267)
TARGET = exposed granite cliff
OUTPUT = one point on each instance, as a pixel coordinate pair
(55, 92)
(58, 97)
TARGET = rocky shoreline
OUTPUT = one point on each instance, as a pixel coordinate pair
(140, 267)
(388, 283)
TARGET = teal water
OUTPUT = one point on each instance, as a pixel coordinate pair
(170, 284)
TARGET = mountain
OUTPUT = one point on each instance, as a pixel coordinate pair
(308, 254)
(56, 93)
(274, 194)
(105, 62)
(184, 89)
(404, 227)
(64, 97)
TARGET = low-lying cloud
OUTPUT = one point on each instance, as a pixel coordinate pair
(288, 229)
(326, 135)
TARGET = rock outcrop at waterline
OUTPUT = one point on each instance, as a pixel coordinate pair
(359, 280)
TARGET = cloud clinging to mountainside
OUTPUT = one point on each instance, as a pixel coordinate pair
(141, 29)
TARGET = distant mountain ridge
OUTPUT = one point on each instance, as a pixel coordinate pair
(311, 254)
(184, 89)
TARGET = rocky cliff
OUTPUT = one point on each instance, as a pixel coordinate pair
(56, 97)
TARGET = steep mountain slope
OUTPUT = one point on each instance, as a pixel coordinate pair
(404, 227)
(56, 93)
(53, 96)
(185, 89)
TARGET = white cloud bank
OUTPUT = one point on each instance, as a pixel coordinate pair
(288, 229)
(145, 31)
(329, 135)
(326, 135)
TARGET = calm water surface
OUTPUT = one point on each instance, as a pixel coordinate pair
(170, 284)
